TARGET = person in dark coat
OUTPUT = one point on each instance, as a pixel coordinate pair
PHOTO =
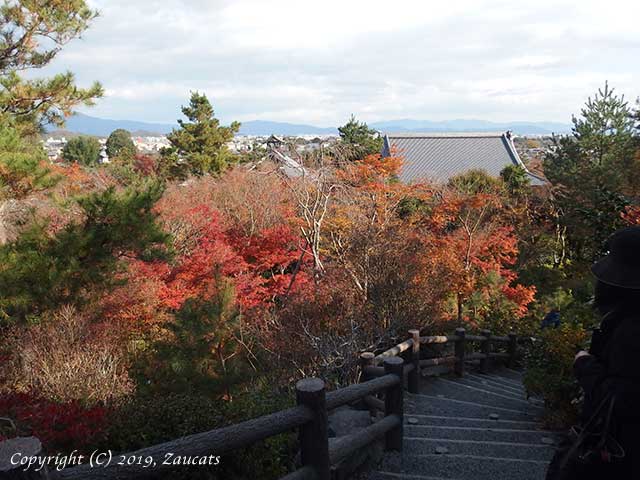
(612, 364)
(551, 319)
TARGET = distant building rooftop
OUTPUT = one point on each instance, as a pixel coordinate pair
(440, 156)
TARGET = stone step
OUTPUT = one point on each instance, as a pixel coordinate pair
(452, 389)
(485, 384)
(471, 467)
(508, 374)
(401, 476)
(439, 420)
(486, 387)
(518, 394)
(482, 434)
(496, 381)
(448, 407)
(513, 450)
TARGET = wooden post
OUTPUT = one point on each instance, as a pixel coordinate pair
(460, 346)
(366, 360)
(512, 349)
(313, 436)
(393, 403)
(414, 375)
(26, 447)
(485, 348)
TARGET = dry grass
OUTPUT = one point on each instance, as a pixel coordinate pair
(64, 359)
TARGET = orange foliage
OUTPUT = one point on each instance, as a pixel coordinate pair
(467, 240)
(373, 170)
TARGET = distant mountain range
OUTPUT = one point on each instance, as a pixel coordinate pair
(87, 125)
(101, 127)
(461, 125)
(264, 127)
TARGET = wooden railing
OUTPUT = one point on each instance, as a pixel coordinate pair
(381, 376)
(411, 350)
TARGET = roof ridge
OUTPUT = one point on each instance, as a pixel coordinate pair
(444, 134)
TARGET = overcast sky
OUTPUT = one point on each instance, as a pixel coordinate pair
(317, 62)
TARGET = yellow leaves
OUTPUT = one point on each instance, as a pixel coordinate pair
(562, 343)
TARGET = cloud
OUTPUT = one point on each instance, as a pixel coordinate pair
(318, 62)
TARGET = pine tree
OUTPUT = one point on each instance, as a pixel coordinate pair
(198, 147)
(360, 138)
(32, 34)
(40, 271)
(515, 180)
(22, 165)
(593, 171)
(204, 355)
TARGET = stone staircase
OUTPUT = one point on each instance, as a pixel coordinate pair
(479, 427)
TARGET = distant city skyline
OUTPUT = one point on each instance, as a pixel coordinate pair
(318, 63)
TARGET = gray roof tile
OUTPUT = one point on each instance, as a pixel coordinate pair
(439, 157)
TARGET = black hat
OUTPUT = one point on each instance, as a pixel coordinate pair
(621, 266)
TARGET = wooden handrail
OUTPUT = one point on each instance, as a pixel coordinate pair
(433, 362)
(304, 473)
(310, 416)
(487, 340)
(358, 391)
(372, 372)
(476, 338)
(373, 403)
(499, 355)
(453, 338)
(500, 339)
(475, 356)
(214, 442)
(344, 447)
(394, 351)
(436, 339)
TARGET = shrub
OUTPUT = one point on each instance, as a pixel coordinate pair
(146, 420)
(550, 372)
(119, 144)
(64, 359)
(61, 427)
(153, 419)
(83, 150)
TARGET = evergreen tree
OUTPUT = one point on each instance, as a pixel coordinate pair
(31, 35)
(198, 147)
(204, 354)
(472, 182)
(83, 150)
(39, 272)
(516, 181)
(32, 32)
(360, 138)
(22, 164)
(120, 145)
(636, 117)
(593, 172)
